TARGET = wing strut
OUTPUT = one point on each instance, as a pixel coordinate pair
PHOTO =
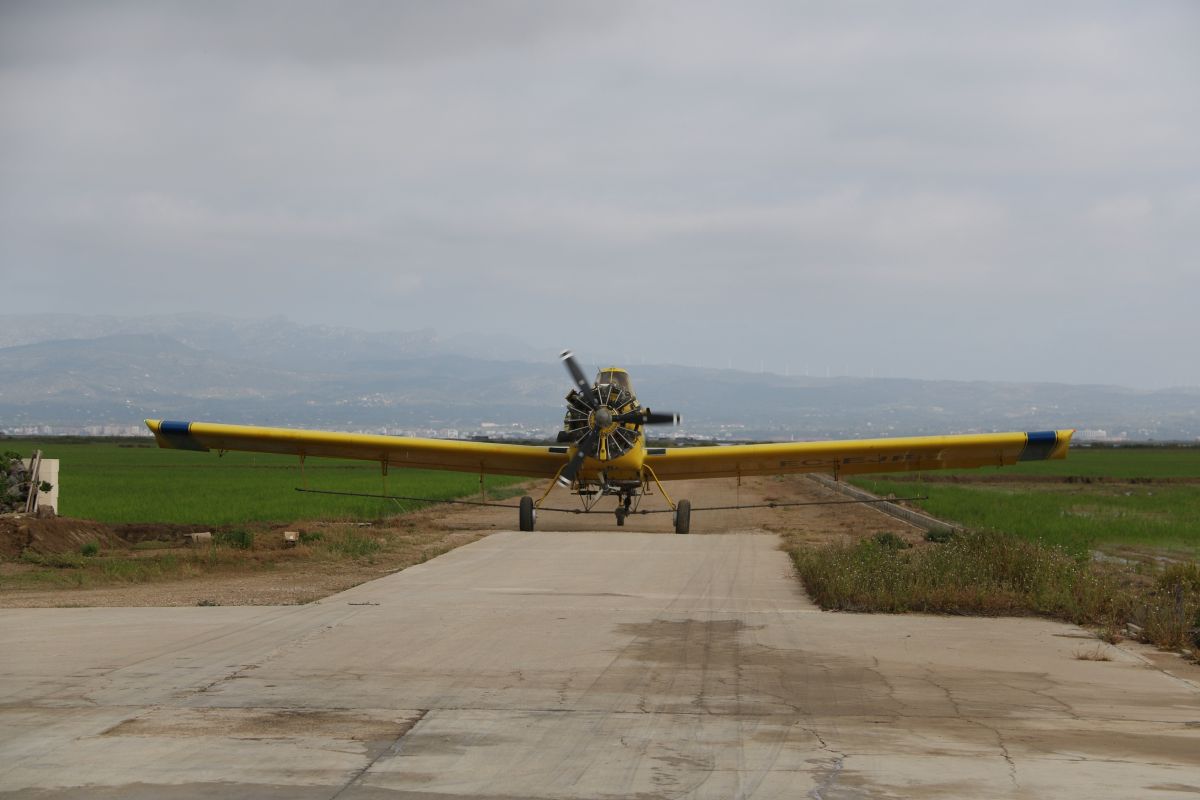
(658, 483)
(553, 482)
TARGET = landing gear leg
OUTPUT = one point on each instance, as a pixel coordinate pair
(527, 515)
(623, 509)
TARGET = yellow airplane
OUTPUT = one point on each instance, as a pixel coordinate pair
(602, 451)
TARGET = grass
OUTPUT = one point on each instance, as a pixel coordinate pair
(978, 573)
(130, 481)
(993, 573)
(353, 544)
(240, 538)
(238, 551)
(1127, 509)
(1027, 548)
(1097, 653)
(152, 544)
(54, 560)
(239, 497)
(1107, 462)
(1078, 517)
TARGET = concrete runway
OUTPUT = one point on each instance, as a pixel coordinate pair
(580, 665)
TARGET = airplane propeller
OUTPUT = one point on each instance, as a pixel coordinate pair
(644, 416)
(585, 389)
(599, 417)
(567, 476)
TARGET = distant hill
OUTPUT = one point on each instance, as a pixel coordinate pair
(73, 371)
(277, 340)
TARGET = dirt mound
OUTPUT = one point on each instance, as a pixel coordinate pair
(52, 535)
(132, 533)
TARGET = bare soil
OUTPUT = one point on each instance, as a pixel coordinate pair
(272, 574)
(52, 535)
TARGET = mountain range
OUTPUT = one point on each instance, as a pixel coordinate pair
(73, 371)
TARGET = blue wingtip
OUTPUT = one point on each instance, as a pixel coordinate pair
(179, 435)
(1039, 445)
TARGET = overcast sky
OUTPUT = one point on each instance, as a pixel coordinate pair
(956, 190)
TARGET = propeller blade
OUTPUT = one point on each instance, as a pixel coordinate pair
(586, 391)
(661, 417)
(567, 476)
(644, 416)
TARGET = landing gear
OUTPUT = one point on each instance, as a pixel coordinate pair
(527, 514)
(683, 516)
(622, 510)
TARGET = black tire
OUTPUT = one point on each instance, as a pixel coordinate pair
(683, 516)
(528, 515)
(620, 517)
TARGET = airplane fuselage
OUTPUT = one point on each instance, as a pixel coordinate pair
(621, 451)
(626, 467)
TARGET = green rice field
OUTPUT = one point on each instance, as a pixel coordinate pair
(1144, 501)
(1108, 462)
(132, 480)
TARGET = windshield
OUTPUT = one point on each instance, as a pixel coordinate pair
(619, 377)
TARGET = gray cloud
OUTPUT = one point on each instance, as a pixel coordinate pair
(955, 190)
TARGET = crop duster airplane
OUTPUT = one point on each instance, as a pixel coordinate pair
(602, 451)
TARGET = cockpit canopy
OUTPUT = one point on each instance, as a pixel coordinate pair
(614, 376)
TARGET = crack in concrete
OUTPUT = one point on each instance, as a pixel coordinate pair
(1004, 753)
(392, 750)
(888, 685)
(1062, 704)
(946, 691)
(830, 779)
(831, 775)
(1012, 765)
(282, 649)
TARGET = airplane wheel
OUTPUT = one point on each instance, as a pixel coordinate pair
(620, 517)
(528, 515)
(683, 516)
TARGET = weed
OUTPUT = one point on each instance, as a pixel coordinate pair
(240, 538)
(981, 573)
(90, 549)
(1110, 633)
(994, 573)
(154, 544)
(55, 560)
(1185, 574)
(940, 536)
(1169, 618)
(1097, 653)
(308, 537)
(352, 544)
(890, 541)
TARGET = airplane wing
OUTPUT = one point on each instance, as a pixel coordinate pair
(395, 451)
(858, 456)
